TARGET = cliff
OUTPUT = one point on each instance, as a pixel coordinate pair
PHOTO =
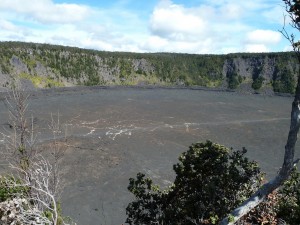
(54, 66)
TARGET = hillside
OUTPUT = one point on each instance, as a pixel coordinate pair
(54, 66)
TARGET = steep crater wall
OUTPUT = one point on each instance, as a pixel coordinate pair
(51, 66)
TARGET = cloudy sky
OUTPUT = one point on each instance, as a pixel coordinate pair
(188, 26)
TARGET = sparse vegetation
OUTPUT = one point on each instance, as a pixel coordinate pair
(41, 82)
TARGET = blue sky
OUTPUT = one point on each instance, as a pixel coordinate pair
(187, 26)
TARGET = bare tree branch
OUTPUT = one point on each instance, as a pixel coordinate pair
(38, 175)
(38, 179)
(19, 137)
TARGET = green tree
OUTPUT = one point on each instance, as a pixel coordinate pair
(233, 81)
(210, 181)
(257, 83)
(285, 83)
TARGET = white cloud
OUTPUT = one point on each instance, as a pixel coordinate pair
(158, 44)
(202, 29)
(276, 15)
(6, 25)
(256, 48)
(231, 11)
(46, 11)
(288, 48)
(222, 26)
(264, 37)
(154, 42)
(175, 22)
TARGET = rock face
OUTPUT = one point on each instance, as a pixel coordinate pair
(48, 66)
(249, 67)
(253, 67)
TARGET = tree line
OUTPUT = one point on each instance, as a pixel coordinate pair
(277, 71)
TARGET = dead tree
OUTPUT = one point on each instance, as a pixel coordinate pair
(19, 136)
(293, 10)
(40, 176)
(42, 197)
(57, 149)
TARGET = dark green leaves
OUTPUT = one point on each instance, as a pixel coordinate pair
(210, 181)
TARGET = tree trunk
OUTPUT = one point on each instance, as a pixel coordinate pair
(284, 172)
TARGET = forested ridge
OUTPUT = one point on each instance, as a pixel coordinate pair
(53, 66)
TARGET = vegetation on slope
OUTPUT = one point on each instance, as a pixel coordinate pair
(52, 65)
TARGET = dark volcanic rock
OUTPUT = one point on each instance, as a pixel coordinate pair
(114, 133)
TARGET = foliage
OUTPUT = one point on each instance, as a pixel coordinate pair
(147, 209)
(257, 83)
(7, 191)
(39, 81)
(37, 180)
(14, 190)
(281, 205)
(264, 213)
(93, 80)
(234, 81)
(210, 181)
(61, 220)
(91, 67)
(289, 203)
(284, 81)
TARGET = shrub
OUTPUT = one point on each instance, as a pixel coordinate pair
(233, 81)
(280, 207)
(289, 202)
(284, 82)
(9, 191)
(257, 83)
(264, 213)
(211, 180)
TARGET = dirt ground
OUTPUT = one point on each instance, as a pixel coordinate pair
(112, 134)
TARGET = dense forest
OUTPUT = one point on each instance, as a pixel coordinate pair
(53, 66)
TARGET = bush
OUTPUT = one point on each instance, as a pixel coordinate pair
(257, 83)
(211, 180)
(289, 202)
(9, 191)
(264, 213)
(280, 207)
(233, 81)
(284, 82)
